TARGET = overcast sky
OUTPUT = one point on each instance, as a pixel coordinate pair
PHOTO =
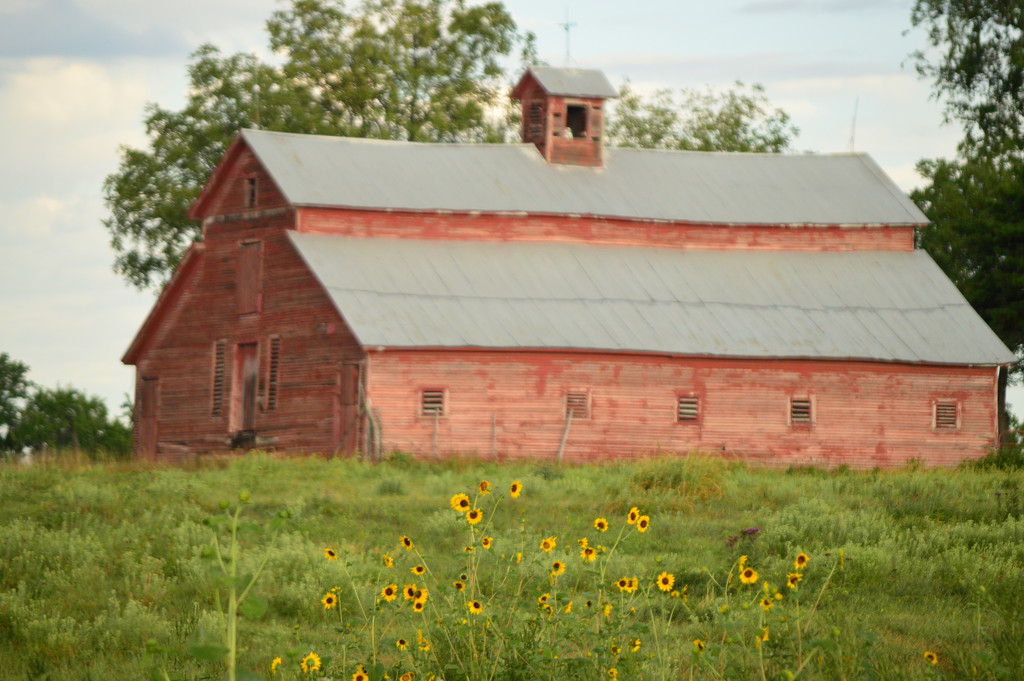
(76, 75)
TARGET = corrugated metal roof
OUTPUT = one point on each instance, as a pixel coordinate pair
(573, 82)
(894, 306)
(724, 188)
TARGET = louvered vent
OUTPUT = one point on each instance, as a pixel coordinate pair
(217, 391)
(432, 403)
(536, 122)
(577, 405)
(800, 412)
(272, 372)
(946, 415)
(689, 409)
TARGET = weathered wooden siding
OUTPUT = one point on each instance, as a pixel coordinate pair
(230, 193)
(490, 227)
(313, 342)
(513, 406)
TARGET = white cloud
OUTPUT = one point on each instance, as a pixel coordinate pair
(59, 92)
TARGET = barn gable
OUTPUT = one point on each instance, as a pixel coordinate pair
(167, 303)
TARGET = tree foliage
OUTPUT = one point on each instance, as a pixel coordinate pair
(61, 418)
(65, 418)
(740, 119)
(976, 201)
(424, 70)
(977, 64)
(14, 391)
(976, 235)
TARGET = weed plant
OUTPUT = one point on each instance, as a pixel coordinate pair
(685, 567)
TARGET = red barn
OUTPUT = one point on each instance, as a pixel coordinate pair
(580, 302)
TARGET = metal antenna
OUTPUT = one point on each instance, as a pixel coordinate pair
(853, 125)
(567, 26)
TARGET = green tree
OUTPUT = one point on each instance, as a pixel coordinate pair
(741, 119)
(976, 66)
(65, 418)
(424, 70)
(976, 202)
(14, 391)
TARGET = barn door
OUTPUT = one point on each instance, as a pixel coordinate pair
(148, 416)
(246, 385)
(346, 408)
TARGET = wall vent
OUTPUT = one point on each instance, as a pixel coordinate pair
(688, 410)
(800, 412)
(577, 405)
(947, 415)
(273, 369)
(432, 403)
(217, 391)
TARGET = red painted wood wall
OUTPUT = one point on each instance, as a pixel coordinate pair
(512, 405)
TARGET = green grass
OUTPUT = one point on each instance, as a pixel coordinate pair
(107, 572)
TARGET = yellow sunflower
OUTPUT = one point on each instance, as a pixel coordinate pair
(360, 674)
(486, 542)
(557, 568)
(389, 593)
(642, 523)
(418, 606)
(931, 657)
(329, 600)
(548, 545)
(633, 515)
(485, 487)
(475, 607)
(634, 644)
(748, 575)
(408, 676)
(698, 645)
(274, 664)
(623, 584)
(792, 579)
(459, 586)
(409, 591)
(401, 644)
(543, 598)
(388, 560)
(330, 554)
(310, 663)
(588, 554)
(766, 603)
(666, 580)
(515, 489)
(405, 542)
(801, 561)
(460, 503)
(417, 569)
(474, 516)
(601, 525)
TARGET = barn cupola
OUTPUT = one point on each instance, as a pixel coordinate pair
(563, 113)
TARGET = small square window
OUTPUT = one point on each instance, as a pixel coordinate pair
(688, 410)
(947, 414)
(577, 405)
(432, 403)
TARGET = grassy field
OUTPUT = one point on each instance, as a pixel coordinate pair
(129, 572)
